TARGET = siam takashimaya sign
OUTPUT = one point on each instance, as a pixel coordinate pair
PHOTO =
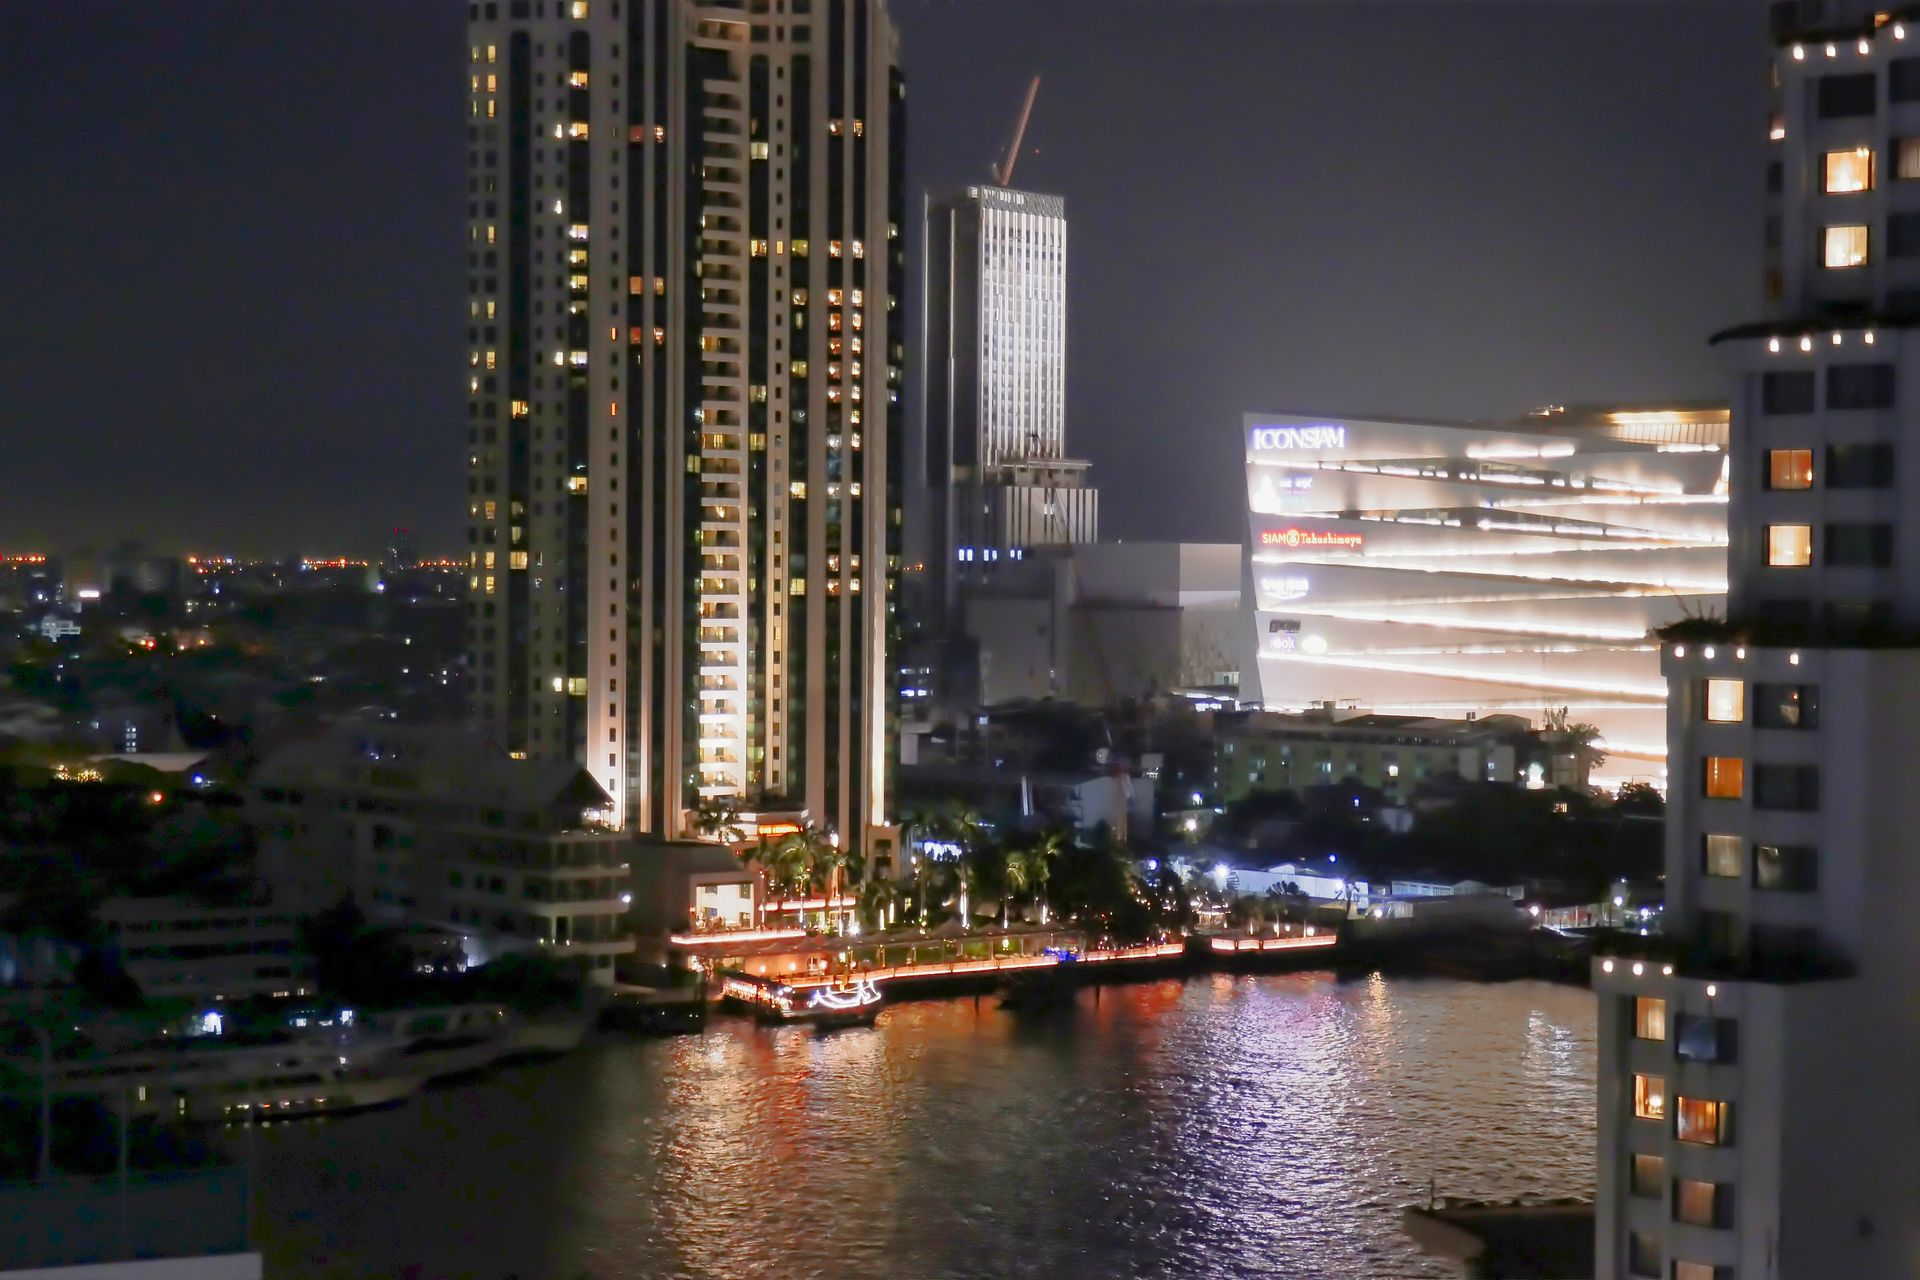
(1322, 436)
(1295, 538)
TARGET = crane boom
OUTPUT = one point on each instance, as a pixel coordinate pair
(1003, 176)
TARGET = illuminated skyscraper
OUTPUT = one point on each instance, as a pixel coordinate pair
(685, 364)
(996, 297)
(1757, 1108)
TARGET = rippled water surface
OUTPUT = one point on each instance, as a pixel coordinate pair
(1225, 1126)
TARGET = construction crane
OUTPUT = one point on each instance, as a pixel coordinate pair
(1003, 174)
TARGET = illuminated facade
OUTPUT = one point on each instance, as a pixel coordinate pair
(1443, 569)
(996, 397)
(686, 360)
(1756, 1110)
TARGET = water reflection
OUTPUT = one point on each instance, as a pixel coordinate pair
(1225, 1126)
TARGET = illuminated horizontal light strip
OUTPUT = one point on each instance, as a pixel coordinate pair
(1594, 529)
(1481, 650)
(1447, 472)
(1641, 750)
(1610, 500)
(1619, 586)
(1272, 944)
(1504, 553)
(1455, 623)
(728, 938)
(1159, 951)
(1424, 706)
(1656, 693)
(1517, 597)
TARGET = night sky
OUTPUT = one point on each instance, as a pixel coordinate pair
(231, 237)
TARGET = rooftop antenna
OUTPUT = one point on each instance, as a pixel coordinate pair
(1003, 174)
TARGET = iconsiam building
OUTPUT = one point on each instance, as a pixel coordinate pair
(1449, 569)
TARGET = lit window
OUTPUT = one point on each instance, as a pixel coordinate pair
(1726, 777)
(486, 560)
(577, 686)
(493, 53)
(797, 489)
(1702, 1120)
(578, 79)
(1649, 1097)
(516, 560)
(1789, 468)
(800, 248)
(579, 8)
(1722, 856)
(1699, 1271)
(1849, 171)
(489, 584)
(1844, 246)
(757, 150)
(796, 586)
(1726, 701)
(1649, 1018)
(576, 484)
(1776, 127)
(833, 248)
(1789, 546)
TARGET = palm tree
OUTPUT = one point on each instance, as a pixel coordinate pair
(1017, 871)
(916, 825)
(876, 896)
(1045, 856)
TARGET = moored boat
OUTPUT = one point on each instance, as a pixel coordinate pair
(848, 1001)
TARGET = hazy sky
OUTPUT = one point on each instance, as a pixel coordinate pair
(231, 236)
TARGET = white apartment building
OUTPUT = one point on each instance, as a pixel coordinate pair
(1757, 1109)
(438, 828)
(686, 261)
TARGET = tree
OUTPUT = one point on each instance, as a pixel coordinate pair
(876, 898)
(1016, 875)
(1641, 799)
(1045, 856)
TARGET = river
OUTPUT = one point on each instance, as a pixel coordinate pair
(1222, 1126)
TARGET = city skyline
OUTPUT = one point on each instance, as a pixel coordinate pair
(355, 210)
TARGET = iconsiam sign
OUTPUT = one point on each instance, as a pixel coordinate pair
(1439, 570)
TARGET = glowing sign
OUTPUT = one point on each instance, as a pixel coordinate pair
(1295, 538)
(1325, 436)
(1284, 588)
(1271, 490)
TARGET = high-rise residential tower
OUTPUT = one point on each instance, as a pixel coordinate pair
(996, 390)
(1757, 1109)
(685, 345)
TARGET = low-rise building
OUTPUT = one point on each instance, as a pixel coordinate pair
(442, 828)
(197, 951)
(1278, 751)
